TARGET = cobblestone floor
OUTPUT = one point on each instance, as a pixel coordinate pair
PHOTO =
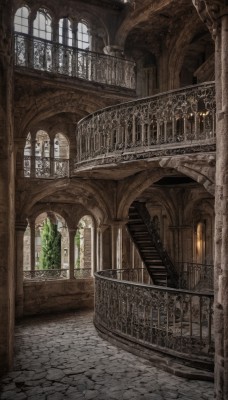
(62, 357)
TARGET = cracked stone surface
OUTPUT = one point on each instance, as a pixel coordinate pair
(62, 357)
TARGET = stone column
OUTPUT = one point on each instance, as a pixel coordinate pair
(99, 245)
(33, 156)
(19, 298)
(7, 189)
(215, 15)
(117, 244)
(52, 154)
(32, 244)
(93, 249)
(72, 233)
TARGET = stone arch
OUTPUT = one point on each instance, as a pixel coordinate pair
(53, 104)
(135, 186)
(90, 196)
(137, 17)
(178, 47)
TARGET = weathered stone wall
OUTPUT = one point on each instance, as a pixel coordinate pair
(55, 296)
(7, 253)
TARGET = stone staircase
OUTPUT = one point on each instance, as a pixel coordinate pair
(150, 248)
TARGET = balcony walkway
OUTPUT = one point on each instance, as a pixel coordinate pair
(62, 357)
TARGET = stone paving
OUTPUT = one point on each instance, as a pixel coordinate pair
(62, 357)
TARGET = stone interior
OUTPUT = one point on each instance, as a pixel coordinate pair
(173, 44)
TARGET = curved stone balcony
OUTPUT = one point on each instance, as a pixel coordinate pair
(147, 318)
(176, 122)
(44, 55)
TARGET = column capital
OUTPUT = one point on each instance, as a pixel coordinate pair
(119, 222)
(21, 226)
(210, 11)
(101, 228)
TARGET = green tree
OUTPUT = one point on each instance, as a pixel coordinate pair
(50, 246)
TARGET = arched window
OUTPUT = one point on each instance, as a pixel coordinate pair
(83, 36)
(61, 155)
(42, 155)
(21, 29)
(45, 242)
(21, 20)
(42, 50)
(42, 25)
(65, 32)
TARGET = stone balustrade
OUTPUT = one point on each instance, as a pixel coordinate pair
(176, 122)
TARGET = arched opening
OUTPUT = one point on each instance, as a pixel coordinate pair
(42, 50)
(46, 247)
(83, 36)
(61, 155)
(21, 20)
(198, 64)
(42, 154)
(21, 28)
(46, 157)
(167, 226)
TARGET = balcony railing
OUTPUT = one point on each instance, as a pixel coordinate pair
(44, 55)
(53, 274)
(197, 277)
(175, 321)
(176, 122)
(45, 167)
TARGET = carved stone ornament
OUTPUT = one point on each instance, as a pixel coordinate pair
(209, 12)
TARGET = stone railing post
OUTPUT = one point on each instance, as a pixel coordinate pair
(215, 15)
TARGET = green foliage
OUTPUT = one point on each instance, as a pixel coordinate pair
(50, 246)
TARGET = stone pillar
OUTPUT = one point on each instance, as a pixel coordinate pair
(19, 298)
(7, 189)
(117, 244)
(100, 250)
(33, 155)
(215, 15)
(32, 244)
(93, 248)
(52, 154)
(72, 233)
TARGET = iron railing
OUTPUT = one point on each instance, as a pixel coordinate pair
(175, 321)
(176, 122)
(197, 277)
(45, 55)
(45, 167)
(49, 274)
